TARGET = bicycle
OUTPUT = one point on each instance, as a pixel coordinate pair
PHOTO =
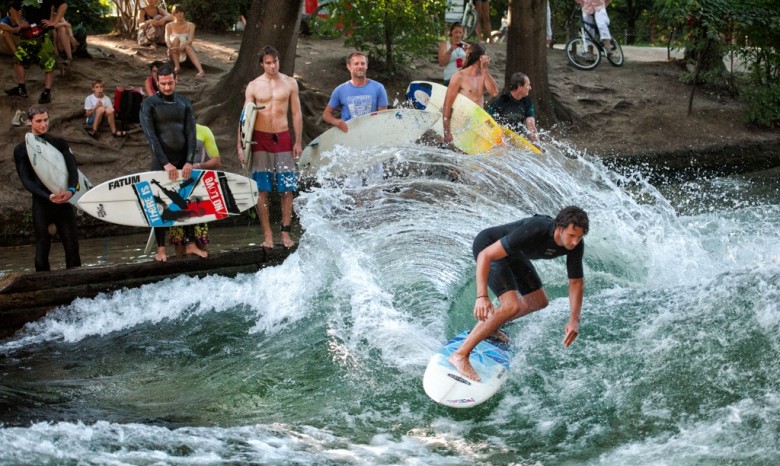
(321, 23)
(469, 20)
(500, 34)
(580, 50)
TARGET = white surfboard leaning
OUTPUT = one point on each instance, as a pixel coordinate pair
(150, 199)
(385, 127)
(447, 386)
(246, 126)
(49, 165)
(474, 131)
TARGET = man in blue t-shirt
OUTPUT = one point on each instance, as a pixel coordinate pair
(514, 108)
(357, 96)
(504, 254)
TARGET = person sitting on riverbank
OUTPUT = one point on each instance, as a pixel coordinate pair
(9, 29)
(97, 105)
(150, 85)
(178, 37)
(151, 24)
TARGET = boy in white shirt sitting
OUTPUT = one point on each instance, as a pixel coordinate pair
(97, 106)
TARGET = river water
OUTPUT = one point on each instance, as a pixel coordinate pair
(320, 359)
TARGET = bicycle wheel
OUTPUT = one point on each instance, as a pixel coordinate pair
(322, 24)
(616, 55)
(584, 55)
(469, 24)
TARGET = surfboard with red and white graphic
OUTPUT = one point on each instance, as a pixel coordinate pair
(150, 199)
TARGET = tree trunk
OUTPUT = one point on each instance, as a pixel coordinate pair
(526, 51)
(269, 22)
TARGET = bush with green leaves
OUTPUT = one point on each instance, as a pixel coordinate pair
(213, 16)
(391, 31)
(763, 105)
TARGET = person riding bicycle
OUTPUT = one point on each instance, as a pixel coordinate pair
(595, 12)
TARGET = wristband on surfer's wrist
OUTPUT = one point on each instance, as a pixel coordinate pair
(483, 296)
(72, 190)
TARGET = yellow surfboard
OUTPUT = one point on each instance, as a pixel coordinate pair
(474, 131)
(516, 140)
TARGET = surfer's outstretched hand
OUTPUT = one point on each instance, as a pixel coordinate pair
(571, 331)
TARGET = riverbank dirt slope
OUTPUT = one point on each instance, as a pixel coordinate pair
(637, 111)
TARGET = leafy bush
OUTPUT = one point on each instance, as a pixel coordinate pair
(89, 13)
(212, 16)
(391, 31)
(763, 105)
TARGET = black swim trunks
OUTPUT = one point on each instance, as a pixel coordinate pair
(525, 240)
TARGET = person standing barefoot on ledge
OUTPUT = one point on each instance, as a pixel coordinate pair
(51, 212)
(504, 255)
(274, 153)
(169, 127)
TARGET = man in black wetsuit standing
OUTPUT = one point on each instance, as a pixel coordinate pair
(504, 255)
(169, 125)
(48, 208)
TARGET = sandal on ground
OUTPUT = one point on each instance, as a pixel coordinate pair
(119, 134)
(91, 133)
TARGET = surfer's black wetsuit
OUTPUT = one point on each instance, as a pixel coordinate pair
(523, 240)
(169, 125)
(45, 212)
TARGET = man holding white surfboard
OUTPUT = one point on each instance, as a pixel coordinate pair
(355, 97)
(169, 126)
(472, 81)
(504, 255)
(358, 96)
(274, 153)
(49, 208)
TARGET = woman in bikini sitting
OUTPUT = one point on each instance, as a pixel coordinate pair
(178, 37)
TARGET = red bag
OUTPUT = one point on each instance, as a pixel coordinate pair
(33, 32)
(127, 104)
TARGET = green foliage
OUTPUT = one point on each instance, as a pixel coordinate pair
(212, 16)
(763, 105)
(89, 13)
(391, 31)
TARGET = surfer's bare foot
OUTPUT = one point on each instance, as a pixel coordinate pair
(193, 249)
(500, 336)
(463, 366)
(268, 243)
(287, 242)
(161, 255)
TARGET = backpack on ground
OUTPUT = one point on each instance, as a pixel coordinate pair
(127, 105)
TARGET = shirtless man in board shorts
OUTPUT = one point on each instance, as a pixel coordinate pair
(273, 152)
(472, 81)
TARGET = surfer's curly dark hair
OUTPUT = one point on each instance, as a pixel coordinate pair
(572, 215)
